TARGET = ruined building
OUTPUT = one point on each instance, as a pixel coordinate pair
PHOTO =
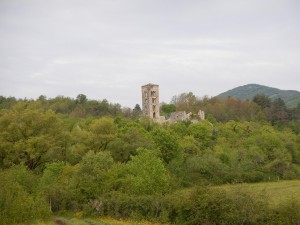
(150, 101)
(150, 106)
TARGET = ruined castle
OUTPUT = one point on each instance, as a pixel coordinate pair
(150, 107)
(150, 100)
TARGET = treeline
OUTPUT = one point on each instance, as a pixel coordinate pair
(260, 108)
(127, 166)
(80, 107)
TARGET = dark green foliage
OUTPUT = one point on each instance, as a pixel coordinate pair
(262, 100)
(167, 109)
(277, 113)
(81, 99)
(7, 103)
(132, 137)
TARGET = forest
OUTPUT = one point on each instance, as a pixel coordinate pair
(93, 158)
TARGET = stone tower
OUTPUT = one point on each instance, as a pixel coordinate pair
(150, 100)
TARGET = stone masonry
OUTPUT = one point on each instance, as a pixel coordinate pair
(150, 100)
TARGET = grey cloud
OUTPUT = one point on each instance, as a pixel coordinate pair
(108, 49)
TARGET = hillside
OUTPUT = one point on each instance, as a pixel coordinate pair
(291, 97)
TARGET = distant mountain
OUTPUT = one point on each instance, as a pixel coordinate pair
(291, 98)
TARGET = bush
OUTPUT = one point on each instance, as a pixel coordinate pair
(17, 205)
(123, 206)
(287, 212)
(215, 206)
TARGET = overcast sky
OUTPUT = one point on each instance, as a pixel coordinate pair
(110, 48)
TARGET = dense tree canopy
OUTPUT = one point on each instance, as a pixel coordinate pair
(93, 157)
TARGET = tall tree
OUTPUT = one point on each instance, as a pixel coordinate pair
(185, 101)
(167, 144)
(167, 109)
(147, 174)
(30, 136)
(102, 132)
(262, 100)
(81, 99)
(277, 114)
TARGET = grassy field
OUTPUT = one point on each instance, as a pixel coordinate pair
(276, 192)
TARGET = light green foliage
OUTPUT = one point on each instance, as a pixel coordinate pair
(203, 133)
(189, 145)
(288, 212)
(147, 174)
(18, 199)
(219, 207)
(30, 136)
(92, 174)
(131, 166)
(102, 132)
(53, 185)
(60, 104)
(78, 144)
(167, 144)
(180, 128)
(147, 123)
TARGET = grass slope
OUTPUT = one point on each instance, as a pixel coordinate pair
(276, 192)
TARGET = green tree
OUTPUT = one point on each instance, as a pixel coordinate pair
(81, 99)
(203, 133)
(137, 111)
(53, 187)
(7, 103)
(92, 174)
(167, 143)
(30, 136)
(19, 202)
(185, 101)
(277, 113)
(132, 138)
(102, 132)
(147, 174)
(262, 100)
(167, 109)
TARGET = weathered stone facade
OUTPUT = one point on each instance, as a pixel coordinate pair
(201, 114)
(150, 101)
(178, 116)
(183, 116)
(151, 107)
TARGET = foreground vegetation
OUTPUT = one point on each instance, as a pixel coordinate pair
(90, 221)
(96, 159)
(275, 192)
